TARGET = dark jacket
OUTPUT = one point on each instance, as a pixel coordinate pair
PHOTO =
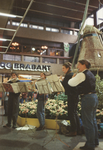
(11, 94)
(88, 85)
(70, 91)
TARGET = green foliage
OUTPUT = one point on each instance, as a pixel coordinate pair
(99, 90)
(62, 97)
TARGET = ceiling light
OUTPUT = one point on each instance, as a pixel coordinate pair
(1, 39)
(33, 48)
(15, 44)
(9, 15)
(44, 47)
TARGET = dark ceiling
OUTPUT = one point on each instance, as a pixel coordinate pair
(59, 10)
(65, 10)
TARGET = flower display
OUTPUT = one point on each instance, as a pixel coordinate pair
(57, 107)
(28, 109)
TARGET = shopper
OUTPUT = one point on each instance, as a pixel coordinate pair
(13, 103)
(41, 106)
(85, 81)
(72, 101)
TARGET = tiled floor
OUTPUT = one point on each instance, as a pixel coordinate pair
(100, 147)
(11, 139)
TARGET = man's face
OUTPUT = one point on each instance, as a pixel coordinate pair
(13, 76)
(81, 67)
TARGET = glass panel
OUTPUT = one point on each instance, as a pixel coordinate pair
(48, 29)
(36, 27)
(52, 29)
(25, 25)
(11, 57)
(49, 60)
(65, 31)
(55, 30)
(31, 59)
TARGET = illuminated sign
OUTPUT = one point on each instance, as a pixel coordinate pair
(28, 67)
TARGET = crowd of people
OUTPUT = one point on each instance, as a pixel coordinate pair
(81, 84)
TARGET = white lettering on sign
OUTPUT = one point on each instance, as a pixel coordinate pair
(28, 67)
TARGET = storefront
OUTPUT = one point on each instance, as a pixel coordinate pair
(33, 69)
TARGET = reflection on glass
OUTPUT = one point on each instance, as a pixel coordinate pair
(49, 60)
(31, 59)
(11, 57)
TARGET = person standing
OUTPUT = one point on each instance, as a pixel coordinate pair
(41, 106)
(85, 81)
(71, 92)
(13, 103)
(6, 95)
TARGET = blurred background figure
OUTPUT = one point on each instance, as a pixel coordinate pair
(30, 95)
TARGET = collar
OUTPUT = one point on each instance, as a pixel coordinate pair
(84, 70)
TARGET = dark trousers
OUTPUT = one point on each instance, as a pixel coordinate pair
(73, 116)
(13, 109)
(6, 107)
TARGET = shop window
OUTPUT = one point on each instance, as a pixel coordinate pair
(49, 60)
(36, 27)
(15, 23)
(25, 25)
(11, 57)
(31, 59)
(52, 29)
(65, 31)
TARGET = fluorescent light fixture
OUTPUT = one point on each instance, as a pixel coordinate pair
(1, 39)
(9, 15)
